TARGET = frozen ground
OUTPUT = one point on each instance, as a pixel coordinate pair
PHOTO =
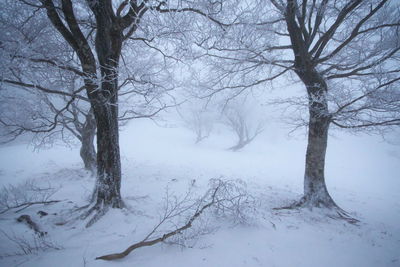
(362, 176)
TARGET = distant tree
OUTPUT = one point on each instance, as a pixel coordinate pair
(198, 119)
(240, 117)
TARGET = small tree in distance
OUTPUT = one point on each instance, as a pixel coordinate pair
(242, 119)
(198, 119)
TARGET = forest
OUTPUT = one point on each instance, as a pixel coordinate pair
(199, 133)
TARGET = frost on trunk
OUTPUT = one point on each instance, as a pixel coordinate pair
(108, 45)
(108, 185)
(315, 191)
(107, 192)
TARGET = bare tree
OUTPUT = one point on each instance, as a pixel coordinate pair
(329, 43)
(345, 53)
(96, 31)
(31, 71)
(242, 120)
(36, 116)
(197, 118)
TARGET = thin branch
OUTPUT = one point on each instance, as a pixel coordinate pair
(365, 95)
(28, 204)
(190, 9)
(55, 64)
(47, 90)
(394, 122)
(355, 32)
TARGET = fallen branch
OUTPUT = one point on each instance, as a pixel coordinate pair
(146, 243)
(28, 204)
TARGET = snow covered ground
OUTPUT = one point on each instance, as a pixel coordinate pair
(362, 176)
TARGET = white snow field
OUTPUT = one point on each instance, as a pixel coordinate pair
(362, 176)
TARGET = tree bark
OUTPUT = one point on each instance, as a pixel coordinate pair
(88, 152)
(108, 184)
(108, 44)
(315, 191)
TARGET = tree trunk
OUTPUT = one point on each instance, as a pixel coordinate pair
(239, 145)
(108, 45)
(107, 192)
(103, 97)
(88, 152)
(315, 191)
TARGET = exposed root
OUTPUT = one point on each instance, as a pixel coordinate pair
(96, 212)
(294, 205)
(81, 208)
(100, 213)
(88, 213)
(335, 212)
(91, 212)
(312, 202)
(343, 215)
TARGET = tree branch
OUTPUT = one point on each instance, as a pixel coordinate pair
(28, 204)
(146, 243)
(47, 90)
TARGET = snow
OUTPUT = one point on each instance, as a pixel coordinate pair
(362, 176)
